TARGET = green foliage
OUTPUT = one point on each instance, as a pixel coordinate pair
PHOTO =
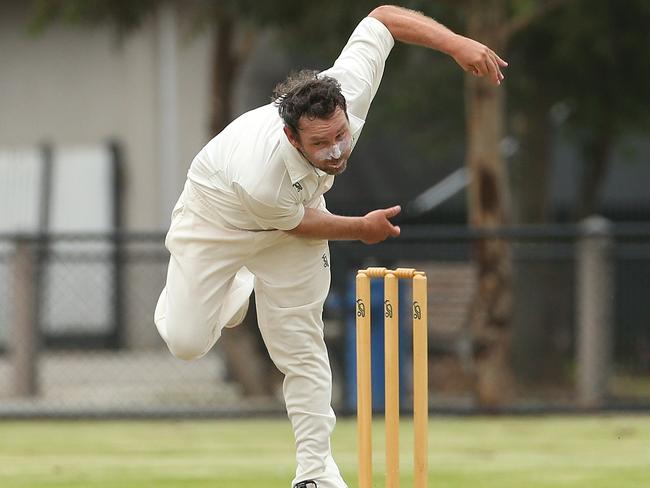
(591, 54)
(521, 7)
(125, 15)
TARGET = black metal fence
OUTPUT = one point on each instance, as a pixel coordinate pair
(77, 335)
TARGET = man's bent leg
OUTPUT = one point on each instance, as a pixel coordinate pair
(233, 310)
(206, 283)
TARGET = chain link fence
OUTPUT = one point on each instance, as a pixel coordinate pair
(77, 334)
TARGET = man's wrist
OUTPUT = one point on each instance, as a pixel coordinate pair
(452, 45)
(361, 227)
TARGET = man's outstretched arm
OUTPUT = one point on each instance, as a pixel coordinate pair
(415, 28)
(372, 228)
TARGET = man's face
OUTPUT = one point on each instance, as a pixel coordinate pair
(326, 143)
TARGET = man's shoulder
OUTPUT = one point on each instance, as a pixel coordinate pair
(266, 114)
(249, 135)
(265, 175)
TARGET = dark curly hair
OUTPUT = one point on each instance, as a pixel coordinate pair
(306, 93)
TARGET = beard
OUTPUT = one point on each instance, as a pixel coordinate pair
(336, 169)
(332, 167)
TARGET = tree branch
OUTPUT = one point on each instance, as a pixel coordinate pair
(523, 20)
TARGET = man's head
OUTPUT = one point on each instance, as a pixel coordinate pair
(315, 119)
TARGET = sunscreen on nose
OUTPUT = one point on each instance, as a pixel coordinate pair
(334, 151)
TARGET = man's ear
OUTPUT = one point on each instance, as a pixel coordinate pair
(292, 137)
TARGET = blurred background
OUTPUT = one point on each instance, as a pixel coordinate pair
(527, 205)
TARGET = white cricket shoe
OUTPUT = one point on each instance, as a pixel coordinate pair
(306, 484)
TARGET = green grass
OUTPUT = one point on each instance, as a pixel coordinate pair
(500, 452)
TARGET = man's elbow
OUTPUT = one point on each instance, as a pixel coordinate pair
(294, 232)
(298, 230)
(382, 13)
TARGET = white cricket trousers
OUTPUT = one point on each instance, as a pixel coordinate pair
(211, 273)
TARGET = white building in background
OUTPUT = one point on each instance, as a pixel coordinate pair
(81, 85)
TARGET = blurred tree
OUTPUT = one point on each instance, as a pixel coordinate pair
(589, 60)
(493, 22)
(123, 14)
(584, 65)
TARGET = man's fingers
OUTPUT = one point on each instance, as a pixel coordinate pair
(483, 68)
(472, 68)
(488, 67)
(495, 73)
(392, 211)
(500, 61)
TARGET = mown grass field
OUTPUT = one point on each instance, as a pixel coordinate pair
(477, 452)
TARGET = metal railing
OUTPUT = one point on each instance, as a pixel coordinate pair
(77, 336)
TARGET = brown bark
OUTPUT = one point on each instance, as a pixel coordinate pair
(246, 363)
(488, 208)
(224, 74)
(232, 46)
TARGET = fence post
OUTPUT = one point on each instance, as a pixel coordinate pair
(24, 334)
(595, 296)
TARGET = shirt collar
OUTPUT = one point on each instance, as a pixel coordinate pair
(297, 165)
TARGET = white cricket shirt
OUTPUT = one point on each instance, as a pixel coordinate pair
(251, 174)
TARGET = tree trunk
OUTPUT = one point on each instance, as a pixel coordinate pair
(225, 67)
(488, 207)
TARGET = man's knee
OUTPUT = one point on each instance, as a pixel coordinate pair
(186, 350)
(186, 333)
(186, 346)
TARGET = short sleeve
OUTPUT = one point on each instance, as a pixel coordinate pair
(283, 213)
(360, 66)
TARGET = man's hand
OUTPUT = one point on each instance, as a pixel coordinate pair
(477, 59)
(377, 226)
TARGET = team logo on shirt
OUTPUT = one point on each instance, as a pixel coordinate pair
(297, 186)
